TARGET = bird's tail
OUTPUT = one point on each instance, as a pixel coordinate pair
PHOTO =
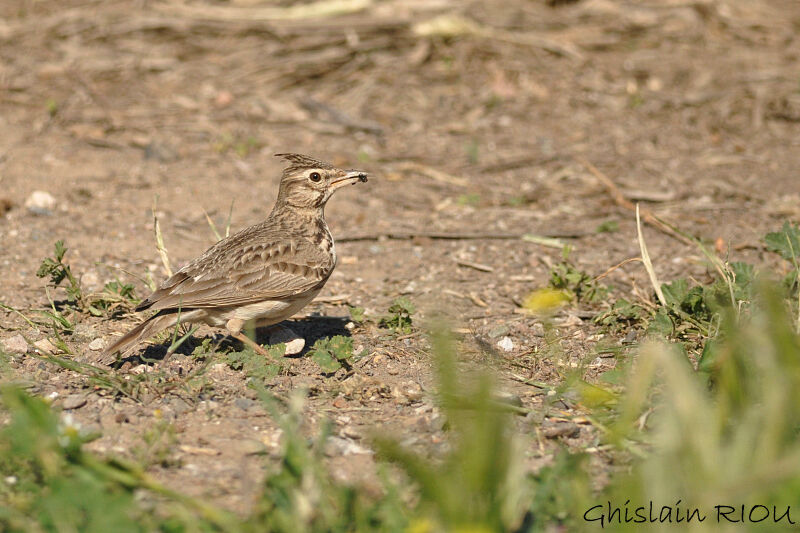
(145, 330)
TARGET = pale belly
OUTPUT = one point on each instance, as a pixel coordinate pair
(263, 313)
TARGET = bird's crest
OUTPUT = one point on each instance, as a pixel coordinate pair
(300, 161)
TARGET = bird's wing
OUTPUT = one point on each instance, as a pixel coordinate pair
(249, 267)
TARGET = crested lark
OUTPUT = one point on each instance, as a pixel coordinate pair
(261, 275)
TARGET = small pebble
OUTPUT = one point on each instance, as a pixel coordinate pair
(244, 403)
(219, 368)
(45, 345)
(96, 345)
(505, 344)
(74, 401)
(497, 331)
(295, 346)
(159, 152)
(508, 398)
(198, 450)
(351, 433)
(180, 406)
(91, 281)
(248, 447)
(83, 332)
(410, 288)
(15, 344)
(561, 429)
(339, 446)
(141, 369)
(294, 343)
(40, 203)
(223, 99)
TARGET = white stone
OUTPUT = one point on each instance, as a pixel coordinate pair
(294, 343)
(40, 203)
(44, 345)
(90, 281)
(97, 344)
(141, 369)
(338, 446)
(219, 368)
(505, 344)
(410, 288)
(74, 401)
(15, 344)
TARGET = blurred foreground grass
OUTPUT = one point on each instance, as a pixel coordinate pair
(687, 441)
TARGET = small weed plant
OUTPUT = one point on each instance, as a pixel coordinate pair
(255, 366)
(333, 353)
(115, 294)
(581, 286)
(399, 319)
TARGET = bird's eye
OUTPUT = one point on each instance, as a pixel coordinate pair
(314, 176)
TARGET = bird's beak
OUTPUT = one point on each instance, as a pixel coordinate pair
(351, 178)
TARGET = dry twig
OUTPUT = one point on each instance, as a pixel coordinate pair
(455, 236)
(453, 25)
(648, 264)
(338, 117)
(477, 266)
(162, 250)
(621, 201)
(429, 172)
(320, 9)
(615, 267)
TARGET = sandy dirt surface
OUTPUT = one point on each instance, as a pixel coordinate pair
(478, 121)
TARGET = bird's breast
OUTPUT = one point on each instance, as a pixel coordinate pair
(324, 239)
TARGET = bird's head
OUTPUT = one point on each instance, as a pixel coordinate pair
(309, 183)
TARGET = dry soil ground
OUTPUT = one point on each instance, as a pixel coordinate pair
(474, 118)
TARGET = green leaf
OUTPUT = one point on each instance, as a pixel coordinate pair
(710, 356)
(789, 282)
(785, 242)
(592, 395)
(60, 250)
(609, 226)
(330, 353)
(254, 365)
(660, 325)
(325, 361)
(402, 305)
(676, 292)
(357, 314)
(615, 376)
(693, 303)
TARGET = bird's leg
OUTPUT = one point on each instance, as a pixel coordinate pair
(250, 342)
(234, 327)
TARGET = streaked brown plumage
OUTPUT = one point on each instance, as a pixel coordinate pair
(263, 274)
